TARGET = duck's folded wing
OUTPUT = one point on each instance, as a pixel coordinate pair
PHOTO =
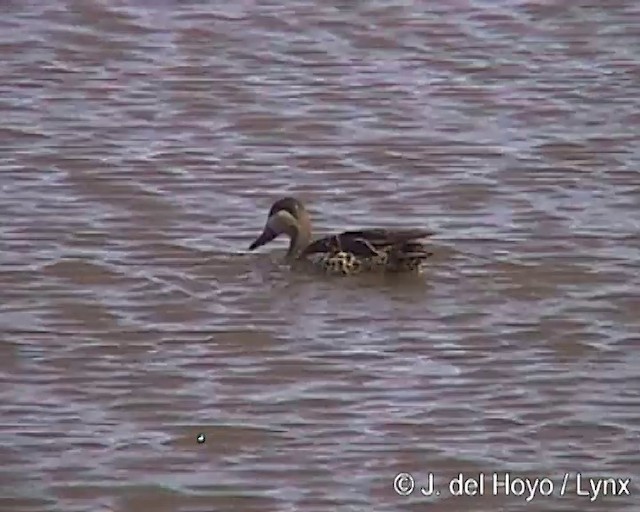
(383, 237)
(326, 244)
(399, 241)
(367, 242)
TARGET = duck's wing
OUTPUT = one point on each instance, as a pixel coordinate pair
(369, 242)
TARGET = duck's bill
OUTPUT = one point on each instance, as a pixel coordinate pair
(267, 235)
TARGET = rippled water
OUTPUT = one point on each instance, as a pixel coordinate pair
(142, 144)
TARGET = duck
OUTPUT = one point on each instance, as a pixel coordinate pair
(346, 253)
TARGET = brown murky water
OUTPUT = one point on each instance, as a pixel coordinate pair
(141, 146)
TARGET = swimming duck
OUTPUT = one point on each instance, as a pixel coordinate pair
(350, 252)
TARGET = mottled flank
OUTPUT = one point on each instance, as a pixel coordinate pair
(339, 263)
(347, 253)
(347, 263)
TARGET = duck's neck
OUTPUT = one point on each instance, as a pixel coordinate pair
(300, 239)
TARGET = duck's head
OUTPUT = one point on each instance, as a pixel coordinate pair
(289, 216)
